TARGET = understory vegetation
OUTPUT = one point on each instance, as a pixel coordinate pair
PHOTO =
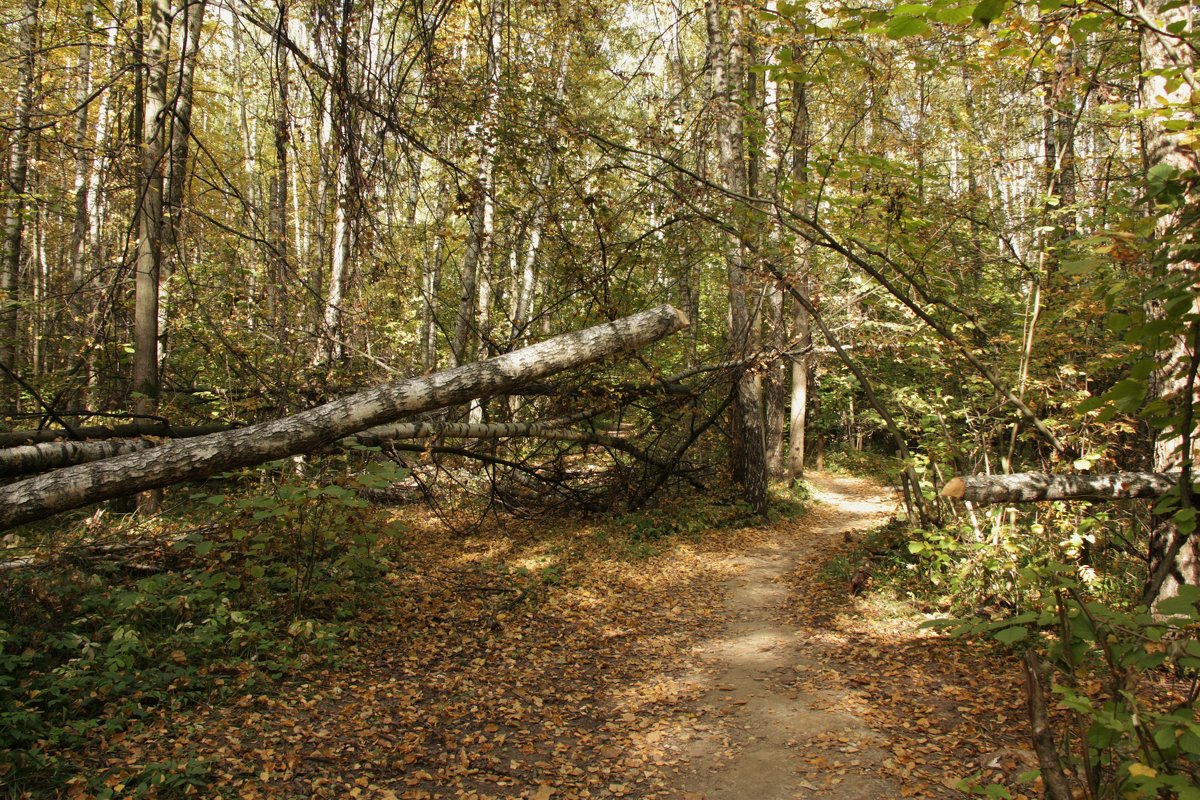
(627, 269)
(241, 593)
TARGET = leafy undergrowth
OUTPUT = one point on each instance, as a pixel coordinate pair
(951, 713)
(302, 643)
(1121, 684)
(492, 664)
(540, 659)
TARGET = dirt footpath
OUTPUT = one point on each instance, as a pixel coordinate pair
(801, 700)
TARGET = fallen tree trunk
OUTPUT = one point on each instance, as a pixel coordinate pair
(125, 430)
(1028, 487)
(189, 459)
(32, 458)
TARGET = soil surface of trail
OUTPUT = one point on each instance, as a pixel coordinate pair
(779, 712)
(630, 658)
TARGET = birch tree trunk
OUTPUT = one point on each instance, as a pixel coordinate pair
(83, 165)
(1028, 487)
(150, 212)
(479, 239)
(189, 459)
(1166, 88)
(802, 324)
(14, 215)
(726, 57)
(523, 302)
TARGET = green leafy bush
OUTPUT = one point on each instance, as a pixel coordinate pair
(88, 652)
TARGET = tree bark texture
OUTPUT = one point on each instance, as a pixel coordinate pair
(478, 254)
(125, 430)
(1042, 734)
(14, 216)
(30, 458)
(1029, 487)
(44, 456)
(802, 327)
(726, 60)
(83, 162)
(1166, 89)
(150, 212)
(42, 496)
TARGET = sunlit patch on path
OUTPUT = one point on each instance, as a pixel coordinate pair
(765, 744)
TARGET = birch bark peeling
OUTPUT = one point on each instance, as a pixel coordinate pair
(1030, 487)
(72, 487)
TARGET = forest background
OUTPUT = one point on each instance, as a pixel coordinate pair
(961, 234)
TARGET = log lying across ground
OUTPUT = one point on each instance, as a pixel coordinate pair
(1028, 487)
(190, 459)
(32, 458)
(124, 430)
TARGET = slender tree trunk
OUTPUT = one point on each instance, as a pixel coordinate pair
(478, 254)
(14, 215)
(726, 56)
(527, 283)
(334, 348)
(431, 277)
(178, 137)
(279, 184)
(1173, 562)
(776, 322)
(96, 252)
(344, 142)
(1059, 144)
(250, 200)
(150, 213)
(83, 166)
(146, 372)
(802, 324)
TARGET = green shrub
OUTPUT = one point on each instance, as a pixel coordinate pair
(88, 651)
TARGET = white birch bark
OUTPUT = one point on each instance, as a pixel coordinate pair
(72, 487)
(150, 211)
(14, 215)
(478, 253)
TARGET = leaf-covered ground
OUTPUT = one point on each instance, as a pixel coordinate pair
(560, 661)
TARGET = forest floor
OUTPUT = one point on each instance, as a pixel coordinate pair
(560, 661)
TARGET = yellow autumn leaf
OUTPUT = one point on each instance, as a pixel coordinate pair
(1142, 771)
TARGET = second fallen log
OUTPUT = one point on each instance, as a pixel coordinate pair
(1028, 487)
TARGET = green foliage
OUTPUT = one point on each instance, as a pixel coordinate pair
(1127, 736)
(273, 583)
(847, 461)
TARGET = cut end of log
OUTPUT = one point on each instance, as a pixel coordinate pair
(684, 322)
(955, 488)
